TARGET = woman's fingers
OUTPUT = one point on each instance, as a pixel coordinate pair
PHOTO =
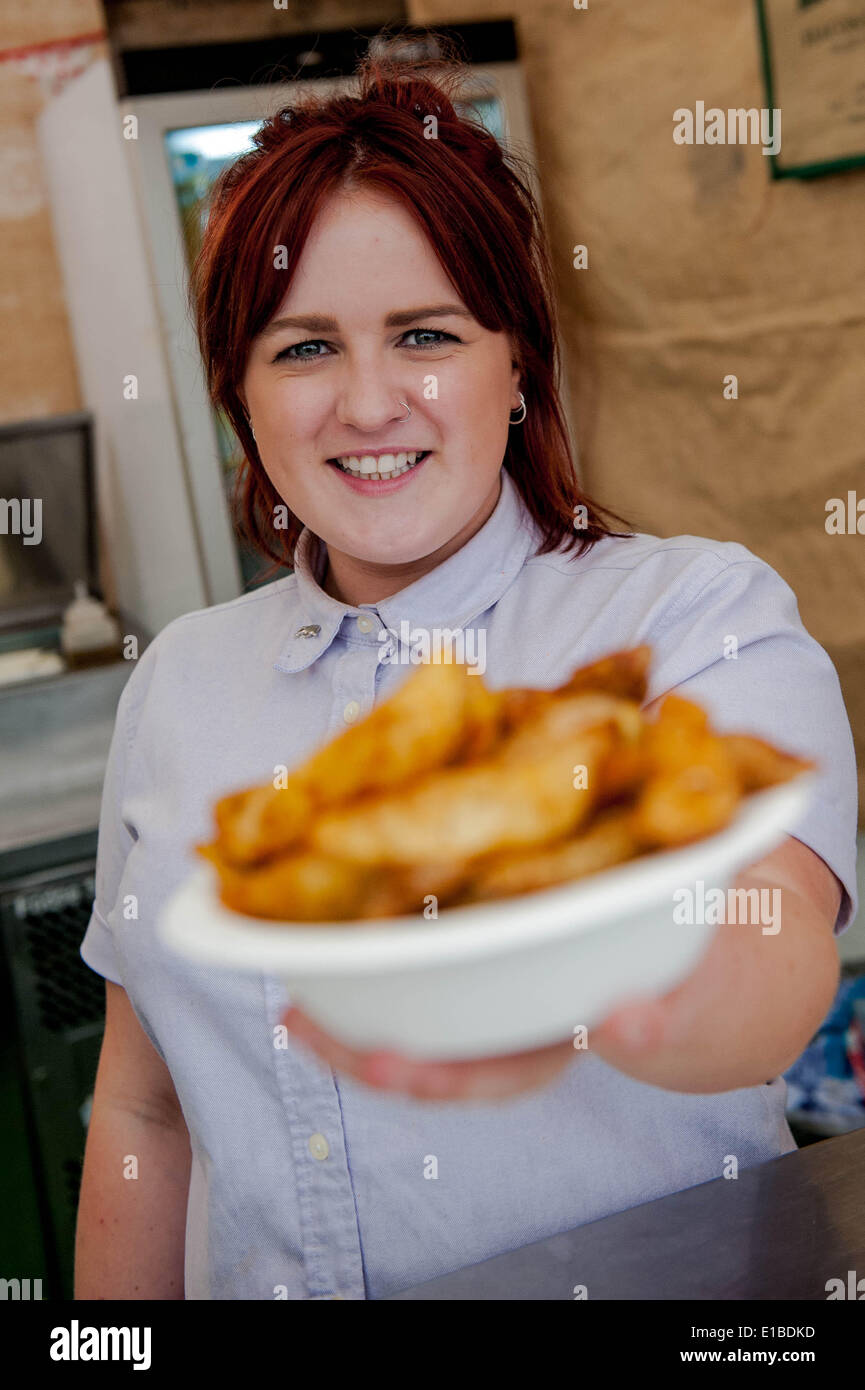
(490, 1078)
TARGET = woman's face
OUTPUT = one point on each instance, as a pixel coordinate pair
(330, 383)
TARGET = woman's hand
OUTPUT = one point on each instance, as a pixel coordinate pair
(632, 1030)
(626, 1039)
(741, 1016)
(491, 1078)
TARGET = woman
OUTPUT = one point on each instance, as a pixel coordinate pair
(374, 311)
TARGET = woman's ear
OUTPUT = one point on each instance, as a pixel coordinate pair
(515, 381)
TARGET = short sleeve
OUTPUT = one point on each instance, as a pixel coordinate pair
(114, 842)
(736, 644)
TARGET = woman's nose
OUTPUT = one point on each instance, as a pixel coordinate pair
(369, 400)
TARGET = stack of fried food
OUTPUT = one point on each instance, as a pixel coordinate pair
(452, 793)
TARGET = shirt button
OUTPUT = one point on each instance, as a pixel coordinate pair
(351, 711)
(318, 1146)
(364, 623)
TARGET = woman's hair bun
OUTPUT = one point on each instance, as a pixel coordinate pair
(423, 74)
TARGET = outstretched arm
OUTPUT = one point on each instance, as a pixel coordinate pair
(755, 999)
(743, 1015)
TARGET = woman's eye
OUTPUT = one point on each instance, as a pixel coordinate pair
(436, 333)
(289, 352)
(297, 353)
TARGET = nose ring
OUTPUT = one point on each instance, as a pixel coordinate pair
(408, 408)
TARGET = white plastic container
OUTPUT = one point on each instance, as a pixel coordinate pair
(494, 977)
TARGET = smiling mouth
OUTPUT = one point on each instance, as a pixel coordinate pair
(381, 468)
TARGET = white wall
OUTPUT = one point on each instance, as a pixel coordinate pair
(146, 518)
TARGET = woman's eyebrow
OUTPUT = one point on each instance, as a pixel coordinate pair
(319, 323)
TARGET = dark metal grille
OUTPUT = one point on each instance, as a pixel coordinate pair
(72, 1169)
(68, 993)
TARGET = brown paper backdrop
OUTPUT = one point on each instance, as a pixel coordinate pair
(700, 266)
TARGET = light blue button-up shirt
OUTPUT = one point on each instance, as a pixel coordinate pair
(305, 1183)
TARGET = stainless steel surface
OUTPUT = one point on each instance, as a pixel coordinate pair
(55, 735)
(851, 946)
(49, 462)
(780, 1230)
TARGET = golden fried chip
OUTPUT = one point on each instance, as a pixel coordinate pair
(679, 807)
(306, 886)
(299, 887)
(608, 840)
(690, 787)
(413, 888)
(622, 674)
(759, 765)
(254, 824)
(676, 721)
(558, 720)
(462, 812)
(440, 713)
(625, 770)
(448, 793)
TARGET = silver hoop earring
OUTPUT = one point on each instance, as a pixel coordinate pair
(408, 408)
(521, 407)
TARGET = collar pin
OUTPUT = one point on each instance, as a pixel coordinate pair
(311, 630)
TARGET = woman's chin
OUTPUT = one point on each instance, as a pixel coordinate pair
(409, 551)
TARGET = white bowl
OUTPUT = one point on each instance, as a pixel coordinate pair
(493, 977)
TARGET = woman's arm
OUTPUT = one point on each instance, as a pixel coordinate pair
(755, 999)
(743, 1015)
(130, 1237)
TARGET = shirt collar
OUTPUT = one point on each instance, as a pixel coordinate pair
(459, 589)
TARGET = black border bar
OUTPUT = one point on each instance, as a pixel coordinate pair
(261, 62)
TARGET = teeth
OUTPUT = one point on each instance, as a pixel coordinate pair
(385, 466)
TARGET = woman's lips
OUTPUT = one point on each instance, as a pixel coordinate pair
(370, 487)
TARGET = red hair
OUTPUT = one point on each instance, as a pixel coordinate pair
(474, 203)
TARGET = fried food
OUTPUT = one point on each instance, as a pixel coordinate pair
(690, 801)
(693, 779)
(610, 840)
(321, 887)
(624, 674)
(452, 793)
(692, 786)
(463, 812)
(439, 715)
(315, 885)
(759, 765)
(553, 721)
